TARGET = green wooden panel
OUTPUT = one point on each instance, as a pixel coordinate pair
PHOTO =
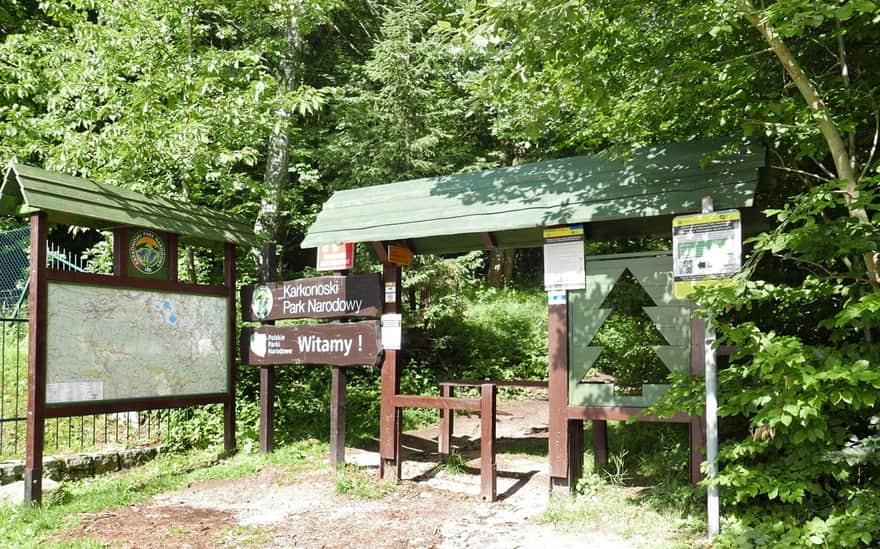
(673, 323)
(580, 360)
(677, 358)
(73, 200)
(652, 270)
(652, 181)
(602, 394)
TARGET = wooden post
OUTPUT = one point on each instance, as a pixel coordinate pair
(33, 468)
(575, 452)
(447, 420)
(390, 415)
(120, 252)
(173, 255)
(488, 467)
(268, 273)
(600, 443)
(557, 391)
(697, 425)
(229, 404)
(337, 417)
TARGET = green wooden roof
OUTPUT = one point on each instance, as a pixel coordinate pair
(615, 198)
(75, 201)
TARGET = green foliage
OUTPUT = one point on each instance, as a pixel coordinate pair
(805, 470)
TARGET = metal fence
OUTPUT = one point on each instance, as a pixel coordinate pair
(62, 435)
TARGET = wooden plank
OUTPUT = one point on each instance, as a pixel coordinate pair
(447, 422)
(337, 417)
(134, 283)
(317, 297)
(437, 402)
(661, 180)
(500, 383)
(575, 452)
(36, 398)
(335, 343)
(557, 389)
(488, 466)
(132, 405)
(229, 404)
(488, 240)
(620, 413)
(65, 197)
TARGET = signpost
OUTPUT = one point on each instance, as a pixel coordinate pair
(319, 297)
(707, 250)
(338, 344)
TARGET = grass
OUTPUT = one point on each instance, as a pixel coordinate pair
(356, 481)
(32, 527)
(641, 494)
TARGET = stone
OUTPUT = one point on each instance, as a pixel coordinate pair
(54, 468)
(13, 494)
(78, 466)
(105, 462)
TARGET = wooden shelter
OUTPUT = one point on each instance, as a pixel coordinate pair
(132, 340)
(613, 198)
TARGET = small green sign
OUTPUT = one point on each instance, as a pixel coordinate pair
(148, 254)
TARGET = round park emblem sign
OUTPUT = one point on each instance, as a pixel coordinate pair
(147, 252)
(261, 302)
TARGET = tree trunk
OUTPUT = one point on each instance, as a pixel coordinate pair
(845, 170)
(277, 171)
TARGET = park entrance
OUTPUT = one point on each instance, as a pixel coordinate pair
(601, 199)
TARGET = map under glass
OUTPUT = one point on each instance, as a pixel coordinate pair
(116, 344)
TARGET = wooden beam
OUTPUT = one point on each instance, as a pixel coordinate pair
(488, 466)
(36, 399)
(390, 416)
(558, 392)
(489, 241)
(337, 416)
(447, 423)
(437, 402)
(381, 251)
(620, 413)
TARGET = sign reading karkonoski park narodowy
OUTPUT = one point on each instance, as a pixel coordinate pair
(336, 343)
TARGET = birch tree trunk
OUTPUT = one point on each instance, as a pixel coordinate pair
(277, 174)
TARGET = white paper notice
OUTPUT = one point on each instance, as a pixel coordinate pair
(392, 331)
(74, 392)
(564, 266)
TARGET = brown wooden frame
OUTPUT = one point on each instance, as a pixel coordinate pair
(39, 410)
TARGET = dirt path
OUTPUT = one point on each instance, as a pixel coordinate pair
(430, 508)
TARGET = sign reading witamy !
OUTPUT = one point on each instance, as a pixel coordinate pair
(320, 297)
(337, 344)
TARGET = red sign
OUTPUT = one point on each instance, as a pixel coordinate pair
(336, 257)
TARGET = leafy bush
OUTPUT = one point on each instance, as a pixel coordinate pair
(804, 380)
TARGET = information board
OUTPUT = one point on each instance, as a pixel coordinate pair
(564, 258)
(706, 249)
(107, 344)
